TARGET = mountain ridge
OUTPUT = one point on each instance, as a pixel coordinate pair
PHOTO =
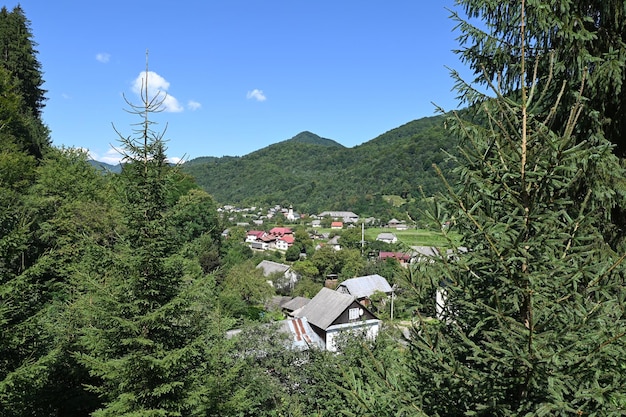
(316, 173)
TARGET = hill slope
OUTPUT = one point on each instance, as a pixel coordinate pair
(316, 174)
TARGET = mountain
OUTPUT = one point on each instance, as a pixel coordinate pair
(316, 174)
(312, 139)
(106, 167)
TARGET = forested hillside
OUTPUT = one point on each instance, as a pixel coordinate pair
(317, 174)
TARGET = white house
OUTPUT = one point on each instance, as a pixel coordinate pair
(331, 313)
(387, 237)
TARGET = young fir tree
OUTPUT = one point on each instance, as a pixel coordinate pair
(146, 317)
(533, 320)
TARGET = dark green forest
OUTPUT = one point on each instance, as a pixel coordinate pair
(118, 289)
(316, 174)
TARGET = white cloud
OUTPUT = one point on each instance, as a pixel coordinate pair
(256, 94)
(157, 85)
(193, 105)
(174, 159)
(112, 156)
(103, 57)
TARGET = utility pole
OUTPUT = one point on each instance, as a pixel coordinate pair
(362, 237)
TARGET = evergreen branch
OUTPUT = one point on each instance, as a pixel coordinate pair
(467, 212)
(608, 271)
(583, 206)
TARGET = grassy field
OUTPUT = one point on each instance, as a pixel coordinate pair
(410, 237)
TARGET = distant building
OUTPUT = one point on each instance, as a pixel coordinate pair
(273, 269)
(254, 235)
(280, 231)
(387, 238)
(403, 258)
(283, 242)
(345, 216)
(363, 287)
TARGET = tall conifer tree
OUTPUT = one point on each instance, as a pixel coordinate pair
(19, 57)
(145, 318)
(534, 320)
(587, 40)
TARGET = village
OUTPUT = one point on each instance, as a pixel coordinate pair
(341, 306)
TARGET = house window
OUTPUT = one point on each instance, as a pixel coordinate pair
(353, 314)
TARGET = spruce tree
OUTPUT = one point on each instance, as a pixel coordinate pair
(18, 57)
(51, 212)
(145, 316)
(533, 322)
(587, 40)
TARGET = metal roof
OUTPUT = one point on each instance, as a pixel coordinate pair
(295, 303)
(386, 236)
(302, 335)
(361, 287)
(325, 307)
(270, 267)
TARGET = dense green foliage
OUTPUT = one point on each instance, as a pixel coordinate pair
(21, 83)
(317, 175)
(580, 43)
(533, 319)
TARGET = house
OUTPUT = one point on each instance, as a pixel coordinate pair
(259, 245)
(425, 253)
(336, 225)
(362, 288)
(316, 223)
(387, 237)
(283, 242)
(280, 231)
(294, 305)
(403, 258)
(393, 223)
(253, 235)
(345, 216)
(276, 302)
(275, 269)
(301, 334)
(332, 313)
(334, 243)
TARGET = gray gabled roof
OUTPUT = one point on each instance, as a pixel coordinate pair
(365, 286)
(325, 307)
(428, 251)
(386, 236)
(295, 303)
(270, 267)
(347, 216)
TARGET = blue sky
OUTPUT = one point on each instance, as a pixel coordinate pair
(241, 75)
